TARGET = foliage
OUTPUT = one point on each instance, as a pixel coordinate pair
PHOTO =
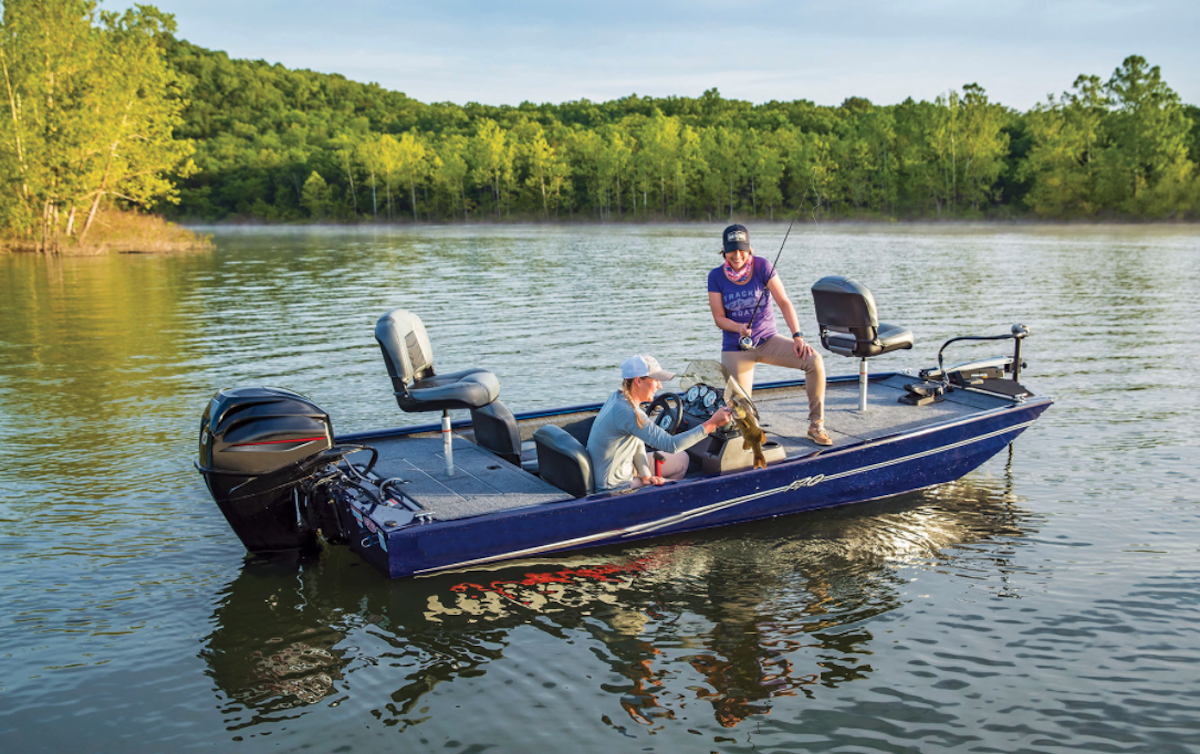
(97, 112)
(91, 111)
(1118, 149)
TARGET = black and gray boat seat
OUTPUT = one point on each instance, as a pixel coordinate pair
(408, 356)
(496, 429)
(564, 461)
(849, 325)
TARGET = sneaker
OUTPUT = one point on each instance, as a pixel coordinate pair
(818, 435)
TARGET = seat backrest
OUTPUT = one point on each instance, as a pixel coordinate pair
(407, 353)
(563, 461)
(496, 429)
(581, 429)
(845, 305)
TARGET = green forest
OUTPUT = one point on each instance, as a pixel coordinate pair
(115, 110)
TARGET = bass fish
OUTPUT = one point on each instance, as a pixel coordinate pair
(752, 434)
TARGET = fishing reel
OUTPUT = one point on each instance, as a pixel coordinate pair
(746, 343)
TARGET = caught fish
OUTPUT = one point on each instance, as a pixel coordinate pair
(752, 434)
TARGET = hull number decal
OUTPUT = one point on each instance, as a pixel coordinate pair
(808, 481)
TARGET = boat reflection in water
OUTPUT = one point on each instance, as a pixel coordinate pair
(732, 619)
(275, 645)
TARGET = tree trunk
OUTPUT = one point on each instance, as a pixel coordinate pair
(16, 119)
(353, 195)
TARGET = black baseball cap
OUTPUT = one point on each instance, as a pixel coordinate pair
(735, 237)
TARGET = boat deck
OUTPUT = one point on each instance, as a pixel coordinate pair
(784, 412)
(484, 483)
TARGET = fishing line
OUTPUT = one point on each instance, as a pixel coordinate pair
(746, 343)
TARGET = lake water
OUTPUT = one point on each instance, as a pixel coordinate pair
(1049, 601)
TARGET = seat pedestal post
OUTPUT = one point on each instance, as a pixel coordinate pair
(862, 385)
(446, 446)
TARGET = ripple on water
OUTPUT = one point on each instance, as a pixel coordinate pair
(1046, 601)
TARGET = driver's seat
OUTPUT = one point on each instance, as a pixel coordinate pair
(564, 461)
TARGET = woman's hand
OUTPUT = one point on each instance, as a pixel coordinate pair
(803, 350)
(719, 419)
(657, 481)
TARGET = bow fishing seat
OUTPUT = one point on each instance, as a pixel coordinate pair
(408, 356)
(849, 325)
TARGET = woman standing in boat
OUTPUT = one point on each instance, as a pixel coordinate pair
(618, 439)
(734, 292)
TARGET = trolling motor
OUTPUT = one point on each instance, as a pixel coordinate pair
(988, 373)
(268, 458)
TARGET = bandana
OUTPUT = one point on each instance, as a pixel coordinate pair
(740, 277)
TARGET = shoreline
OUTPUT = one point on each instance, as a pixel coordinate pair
(152, 234)
(743, 219)
(120, 232)
(749, 222)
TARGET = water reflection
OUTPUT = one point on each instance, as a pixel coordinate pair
(274, 647)
(734, 620)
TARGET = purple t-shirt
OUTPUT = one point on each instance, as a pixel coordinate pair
(740, 300)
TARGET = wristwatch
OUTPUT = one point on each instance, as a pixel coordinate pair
(796, 335)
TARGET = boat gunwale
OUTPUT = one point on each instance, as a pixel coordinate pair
(583, 408)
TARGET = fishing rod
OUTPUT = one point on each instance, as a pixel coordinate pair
(746, 343)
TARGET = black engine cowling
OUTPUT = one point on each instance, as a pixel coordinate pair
(259, 450)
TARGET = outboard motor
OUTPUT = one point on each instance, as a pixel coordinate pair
(262, 451)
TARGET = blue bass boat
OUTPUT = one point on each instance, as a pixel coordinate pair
(499, 486)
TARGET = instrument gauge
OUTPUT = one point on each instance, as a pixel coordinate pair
(693, 393)
(710, 399)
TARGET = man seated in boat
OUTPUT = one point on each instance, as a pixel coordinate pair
(621, 432)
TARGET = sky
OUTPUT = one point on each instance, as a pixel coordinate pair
(501, 52)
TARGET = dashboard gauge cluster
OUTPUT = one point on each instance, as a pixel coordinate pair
(701, 401)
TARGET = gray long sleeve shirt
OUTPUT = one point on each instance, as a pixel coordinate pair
(617, 445)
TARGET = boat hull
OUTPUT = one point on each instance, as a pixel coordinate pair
(854, 473)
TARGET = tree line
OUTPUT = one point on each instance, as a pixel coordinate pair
(275, 144)
(106, 109)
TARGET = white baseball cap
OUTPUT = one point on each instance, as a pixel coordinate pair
(641, 365)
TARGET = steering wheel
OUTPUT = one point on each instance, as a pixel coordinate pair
(667, 412)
